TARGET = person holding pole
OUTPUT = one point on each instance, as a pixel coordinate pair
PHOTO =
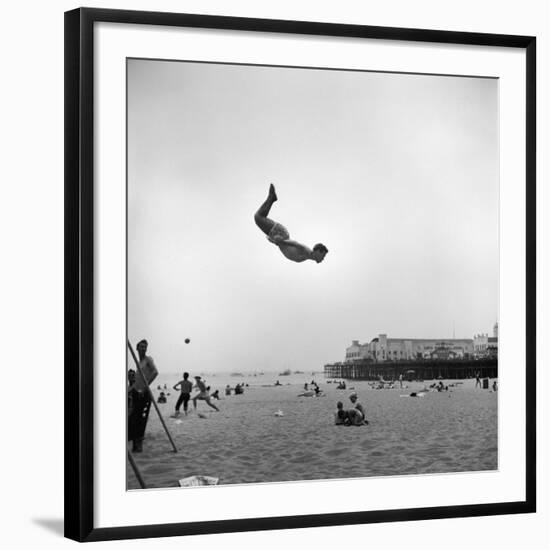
(140, 395)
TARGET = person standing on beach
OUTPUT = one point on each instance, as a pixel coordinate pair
(131, 380)
(140, 395)
(185, 387)
(358, 406)
(203, 394)
(401, 380)
(279, 235)
(478, 379)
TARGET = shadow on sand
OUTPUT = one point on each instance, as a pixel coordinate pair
(54, 525)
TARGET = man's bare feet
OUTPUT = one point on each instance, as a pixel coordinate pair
(272, 193)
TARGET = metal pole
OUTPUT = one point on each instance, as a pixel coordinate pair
(136, 470)
(152, 398)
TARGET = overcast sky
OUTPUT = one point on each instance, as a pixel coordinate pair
(396, 174)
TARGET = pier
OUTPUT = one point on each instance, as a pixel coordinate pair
(426, 369)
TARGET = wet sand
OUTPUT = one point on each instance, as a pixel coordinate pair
(245, 442)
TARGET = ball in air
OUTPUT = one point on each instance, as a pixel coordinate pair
(187, 340)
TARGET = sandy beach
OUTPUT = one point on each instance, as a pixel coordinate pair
(246, 442)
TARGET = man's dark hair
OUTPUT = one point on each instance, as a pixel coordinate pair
(186, 375)
(142, 342)
(321, 247)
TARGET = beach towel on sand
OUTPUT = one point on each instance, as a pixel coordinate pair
(198, 481)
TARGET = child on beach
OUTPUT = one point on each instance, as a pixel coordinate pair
(203, 394)
(185, 386)
(279, 235)
(340, 415)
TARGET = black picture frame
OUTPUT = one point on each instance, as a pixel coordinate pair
(79, 272)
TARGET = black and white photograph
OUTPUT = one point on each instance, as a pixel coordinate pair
(312, 274)
(274, 273)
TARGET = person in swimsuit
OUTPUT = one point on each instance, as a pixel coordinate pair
(161, 398)
(203, 394)
(358, 407)
(185, 386)
(279, 235)
(349, 417)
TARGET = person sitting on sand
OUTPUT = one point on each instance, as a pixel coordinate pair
(203, 394)
(358, 407)
(228, 390)
(355, 418)
(340, 415)
(215, 395)
(279, 235)
(161, 398)
(349, 417)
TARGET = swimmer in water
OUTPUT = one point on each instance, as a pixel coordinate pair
(279, 235)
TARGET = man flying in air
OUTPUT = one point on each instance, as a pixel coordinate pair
(279, 235)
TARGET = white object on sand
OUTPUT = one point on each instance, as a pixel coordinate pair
(178, 421)
(198, 481)
(279, 413)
